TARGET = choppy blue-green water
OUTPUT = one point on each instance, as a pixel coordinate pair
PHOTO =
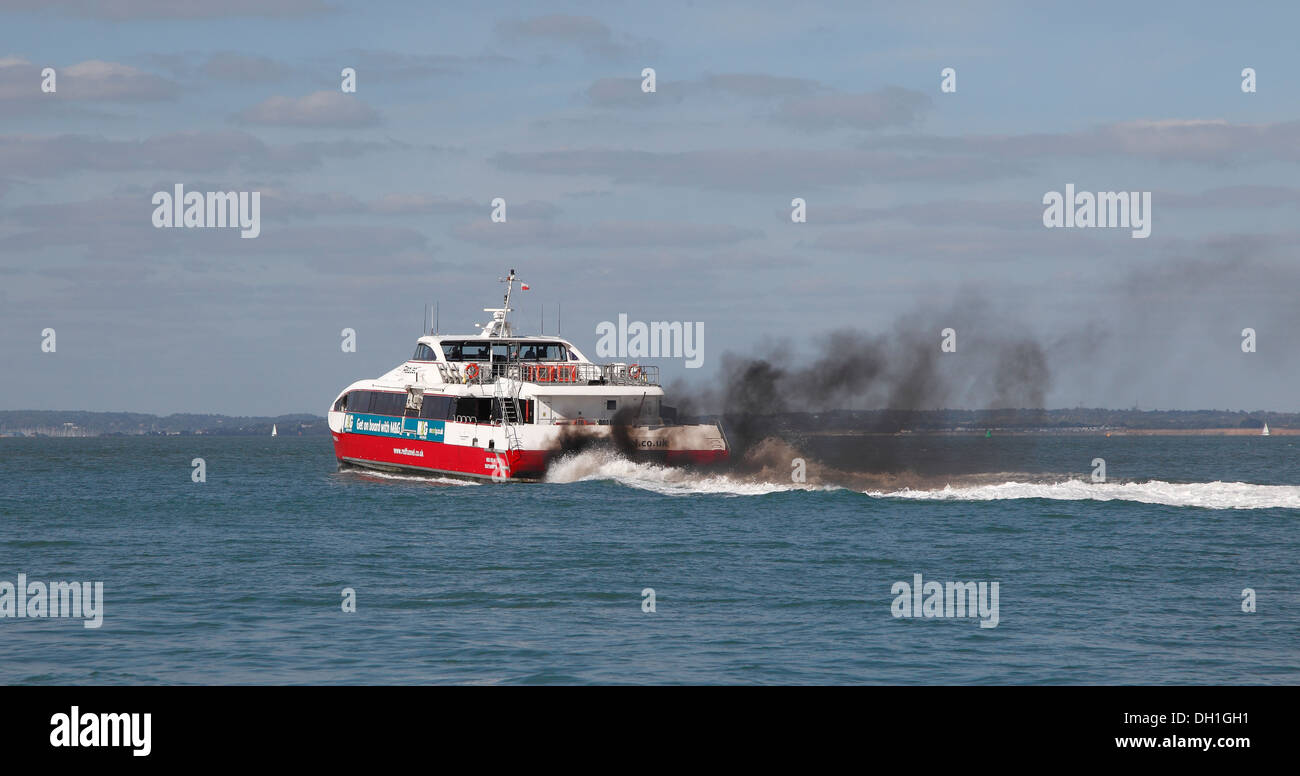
(238, 579)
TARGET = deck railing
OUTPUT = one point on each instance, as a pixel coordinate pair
(646, 422)
(550, 373)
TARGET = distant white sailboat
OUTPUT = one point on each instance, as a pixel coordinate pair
(1265, 431)
(275, 433)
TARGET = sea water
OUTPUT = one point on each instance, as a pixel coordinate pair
(242, 577)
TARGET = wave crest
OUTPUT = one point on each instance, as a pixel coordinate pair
(1210, 495)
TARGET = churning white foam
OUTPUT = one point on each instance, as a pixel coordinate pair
(1211, 495)
(666, 480)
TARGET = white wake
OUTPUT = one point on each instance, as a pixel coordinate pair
(1211, 495)
(666, 480)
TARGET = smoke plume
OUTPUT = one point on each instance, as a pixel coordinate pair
(994, 365)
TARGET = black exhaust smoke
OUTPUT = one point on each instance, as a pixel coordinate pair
(904, 371)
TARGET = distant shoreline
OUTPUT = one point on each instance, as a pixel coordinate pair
(81, 423)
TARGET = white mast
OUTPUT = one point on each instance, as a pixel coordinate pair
(499, 326)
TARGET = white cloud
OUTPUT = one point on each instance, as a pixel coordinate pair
(320, 109)
(20, 80)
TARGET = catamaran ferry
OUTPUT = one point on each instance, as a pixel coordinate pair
(498, 406)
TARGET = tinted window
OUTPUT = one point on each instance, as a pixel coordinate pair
(473, 351)
(357, 401)
(479, 409)
(540, 351)
(395, 403)
(466, 351)
(388, 403)
(502, 351)
(423, 353)
(436, 407)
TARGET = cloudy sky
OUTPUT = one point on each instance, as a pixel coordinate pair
(922, 205)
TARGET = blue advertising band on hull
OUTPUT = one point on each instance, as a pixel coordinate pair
(400, 428)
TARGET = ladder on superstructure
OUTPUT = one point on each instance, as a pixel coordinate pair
(506, 391)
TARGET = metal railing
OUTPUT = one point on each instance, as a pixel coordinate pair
(549, 373)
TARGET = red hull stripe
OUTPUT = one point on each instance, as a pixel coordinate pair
(438, 457)
(464, 460)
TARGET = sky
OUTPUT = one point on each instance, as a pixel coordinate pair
(924, 207)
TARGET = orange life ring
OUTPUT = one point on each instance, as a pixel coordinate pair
(471, 371)
(634, 371)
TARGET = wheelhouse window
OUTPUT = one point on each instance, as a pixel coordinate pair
(423, 353)
(506, 350)
(541, 351)
(466, 351)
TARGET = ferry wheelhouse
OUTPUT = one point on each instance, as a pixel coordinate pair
(499, 406)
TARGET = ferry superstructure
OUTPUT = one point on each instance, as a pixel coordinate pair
(500, 406)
